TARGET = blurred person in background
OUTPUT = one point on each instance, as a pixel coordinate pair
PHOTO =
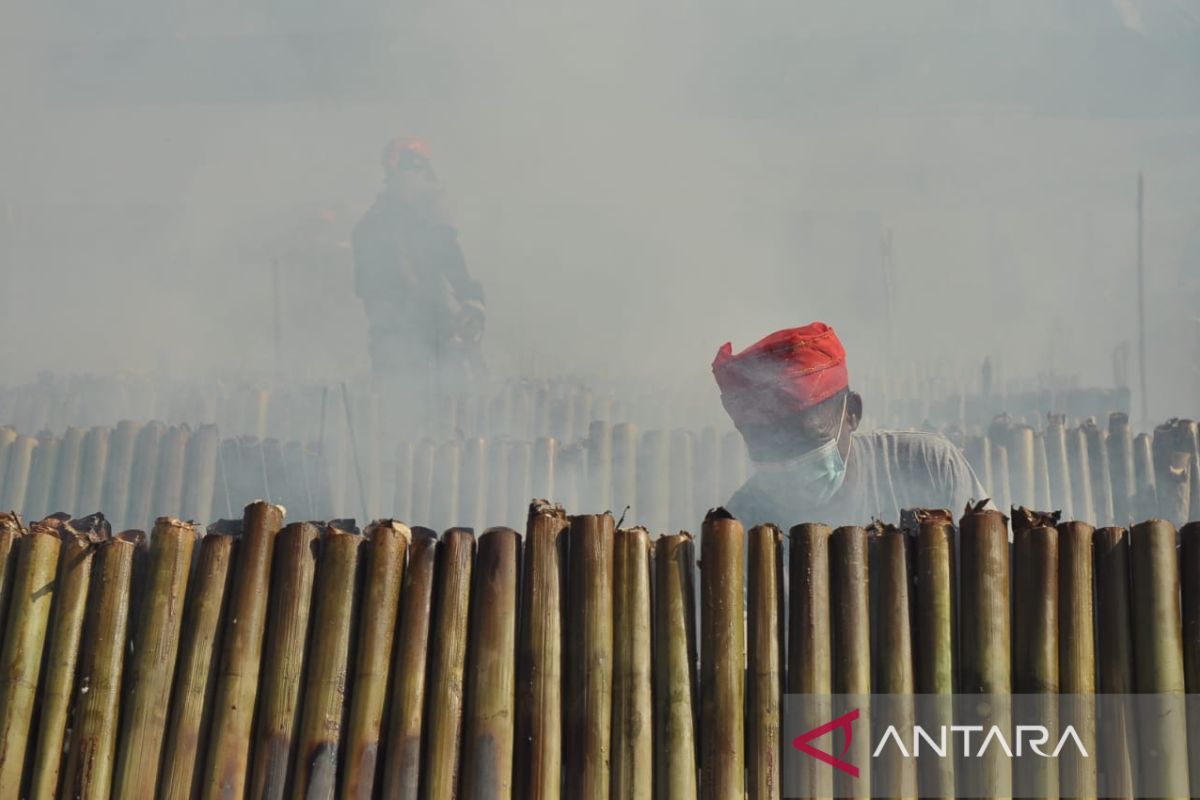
(425, 314)
(789, 396)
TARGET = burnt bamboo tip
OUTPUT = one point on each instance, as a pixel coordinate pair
(94, 526)
(347, 525)
(420, 534)
(263, 507)
(544, 508)
(977, 508)
(913, 518)
(168, 524)
(10, 522)
(134, 537)
(1025, 519)
(1118, 419)
(457, 533)
(226, 527)
(382, 527)
(717, 514)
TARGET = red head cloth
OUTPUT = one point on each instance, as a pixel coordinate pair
(786, 372)
(397, 147)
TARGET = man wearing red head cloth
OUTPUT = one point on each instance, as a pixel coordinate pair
(789, 395)
(425, 314)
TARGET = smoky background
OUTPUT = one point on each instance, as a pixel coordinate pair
(633, 185)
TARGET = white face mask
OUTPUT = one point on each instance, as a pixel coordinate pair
(813, 478)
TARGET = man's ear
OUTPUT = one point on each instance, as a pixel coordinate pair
(854, 410)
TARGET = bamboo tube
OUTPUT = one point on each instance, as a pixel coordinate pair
(706, 482)
(335, 608)
(487, 758)
(562, 420)
(1001, 486)
(1041, 471)
(402, 498)
(1158, 653)
(682, 509)
(1118, 736)
(1077, 655)
(632, 715)
(1120, 464)
(624, 467)
(168, 488)
(66, 474)
(1078, 456)
(722, 657)
(422, 482)
(588, 687)
(809, 643)
(402, 764)
(1097, 440)
(937, 661)
(851, 637)
(447, 664)
(497, 490)
(195, 680)
(91, 474)
(20, 457)
(61, 659)
(11, 531)
(545, 452)
(33, 588)
(1172, 478)
(1035, 644)
(520, 462)
(653, 481)
(201, 471)
(984, 635)
(227, 759)
(41, 474)
(7, 436)
(1022, 466)
(154, 646)
(894, 775)
(145, 468)
(443, 511)
(473, 484)
(1059, 465)
(118, 471)
(733, 463)
(386, 548)
(582, 413)
(538, 758)
(1146, 497)
(599, 466)
(87, 774)
(978, 451)
(765, 621)
(569, 478)
(1189, 441)
(1189, 569)
(290, 605)
(675, 668)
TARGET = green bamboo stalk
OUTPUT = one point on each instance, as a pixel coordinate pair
(61, 659)
(292, 576)
(336, 600)
(765, 622)
(937, 660)
(722, 657)
(538, 773)
(633, 704)
(33, 588)
(196, 672)
(227, 759)
(1158, 653)
(402, 762)
(985, 636)
(1118, 735)
(386, 548)
(1189, 570)
(1077, 655)
(894, 775)
(88, 771)
(851, 636)
(487, 748)
(675, 668)
(810, 656)
(447, 665)
(1035, 643)
(588, 698)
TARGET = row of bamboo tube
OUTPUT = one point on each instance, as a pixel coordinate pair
(309, 660)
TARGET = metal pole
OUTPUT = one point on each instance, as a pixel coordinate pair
(1141, 276)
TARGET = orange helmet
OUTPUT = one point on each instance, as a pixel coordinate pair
(405, 149)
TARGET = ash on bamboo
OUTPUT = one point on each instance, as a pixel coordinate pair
(765, 618)
(386, 548)
(447, 663)
(588, 687)
(632, 728)
(722, 656)
(538, 761)
(335, 609)
(154, 646)
(487, 758)
(402, 760)
(292, 576)
(675, 668)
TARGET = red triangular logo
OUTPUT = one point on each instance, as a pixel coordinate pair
(845, 722)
